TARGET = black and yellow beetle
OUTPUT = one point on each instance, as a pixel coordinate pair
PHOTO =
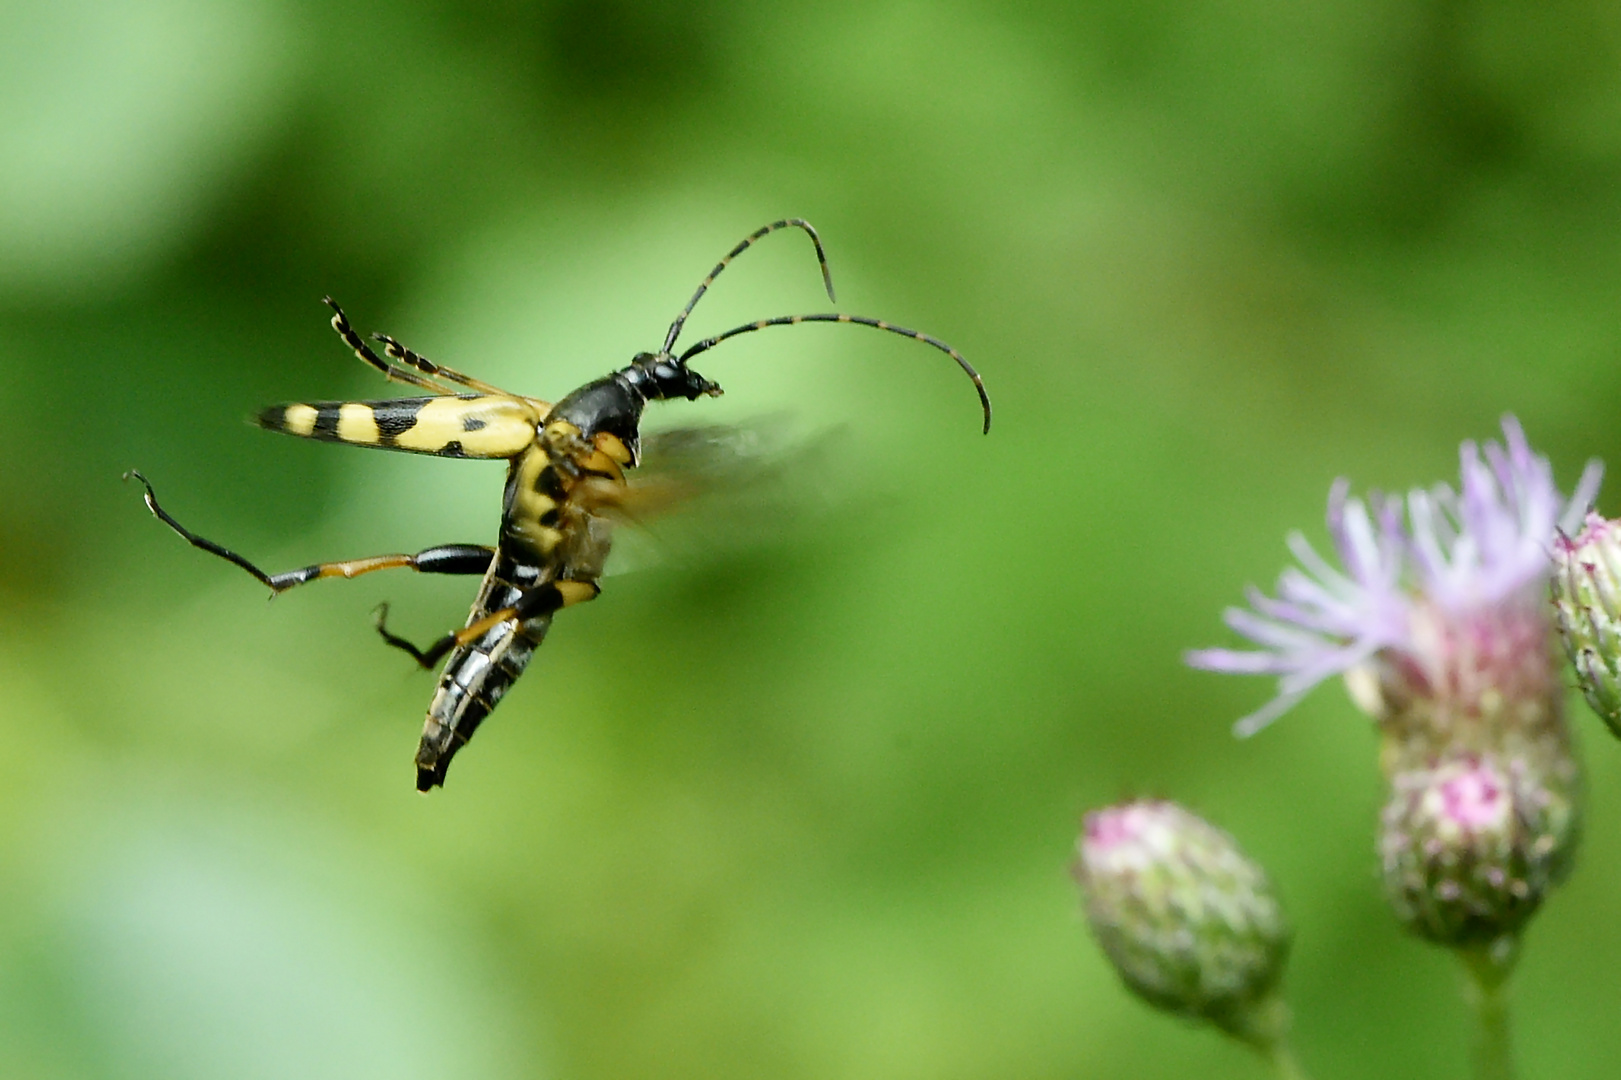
(565, 479)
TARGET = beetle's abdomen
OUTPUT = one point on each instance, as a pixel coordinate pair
(477, 675)
(474, 680)
(551, 553)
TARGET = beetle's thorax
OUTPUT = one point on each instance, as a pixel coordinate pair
(614, 402)
(607, 404)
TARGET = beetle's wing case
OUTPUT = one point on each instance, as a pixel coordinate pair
(464, 425)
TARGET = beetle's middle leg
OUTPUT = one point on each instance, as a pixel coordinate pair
(442, 559)
(540, 600)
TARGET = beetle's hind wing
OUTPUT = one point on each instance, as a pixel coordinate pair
(702, 491)
(460, 426)
(677, 466)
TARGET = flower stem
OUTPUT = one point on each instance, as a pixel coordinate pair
(1265, 1027)
(1486, 990)
(1284, 1063)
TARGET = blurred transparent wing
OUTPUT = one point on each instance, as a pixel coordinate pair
(704, 491)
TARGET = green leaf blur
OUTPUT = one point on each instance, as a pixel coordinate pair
(796, 804)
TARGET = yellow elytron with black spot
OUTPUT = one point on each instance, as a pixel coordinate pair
(565, 479)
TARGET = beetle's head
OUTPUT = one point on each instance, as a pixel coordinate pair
(660, 375)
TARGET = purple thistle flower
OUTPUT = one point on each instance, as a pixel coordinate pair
(1432, 563)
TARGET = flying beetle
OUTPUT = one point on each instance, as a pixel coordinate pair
(565, 482)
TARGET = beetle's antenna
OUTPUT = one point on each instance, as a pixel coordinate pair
(860, 320)
(748, 242)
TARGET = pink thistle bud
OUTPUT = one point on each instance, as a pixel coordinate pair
(1438, 620)
(1587, 604)
(1191, 924)
(1471, 847)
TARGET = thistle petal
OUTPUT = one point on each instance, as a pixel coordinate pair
(1457, 552)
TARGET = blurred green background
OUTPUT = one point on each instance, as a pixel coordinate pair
(794, 802)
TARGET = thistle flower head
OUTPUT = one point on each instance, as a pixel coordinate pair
(1432, 589)
(1587, 604)
(1470, 847)
(1190, 923)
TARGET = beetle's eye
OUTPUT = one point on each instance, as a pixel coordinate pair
(664, 370)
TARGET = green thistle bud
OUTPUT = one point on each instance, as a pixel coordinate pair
(1191, 924)
(1587, 601)
(1472, 846)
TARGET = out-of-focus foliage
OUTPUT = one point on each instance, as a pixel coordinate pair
(796, 805)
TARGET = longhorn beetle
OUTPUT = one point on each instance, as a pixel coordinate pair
(565, 477)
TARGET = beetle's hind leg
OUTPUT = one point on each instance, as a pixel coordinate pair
(444, 559)
(425, 658)
(398, 352)
(340, 323)
(538, 601)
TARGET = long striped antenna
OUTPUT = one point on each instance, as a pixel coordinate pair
(746, 243)
(860, 320)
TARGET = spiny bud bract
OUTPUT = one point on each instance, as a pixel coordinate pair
(1190, 922)
(1587, 601)
(1470, 847)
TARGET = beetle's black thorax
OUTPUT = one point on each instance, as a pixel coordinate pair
(607, 404)
(614, 402)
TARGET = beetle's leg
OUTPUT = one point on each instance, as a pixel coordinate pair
(444, 559)
(395, 351)
(539, 601)
(340, 323)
